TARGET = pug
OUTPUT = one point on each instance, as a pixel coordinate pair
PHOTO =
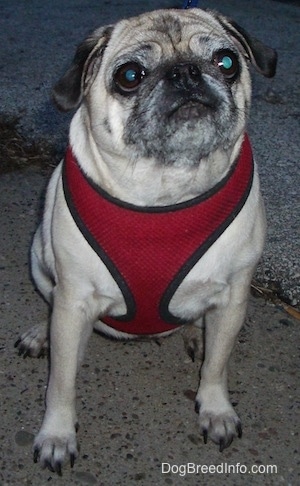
(153, 222)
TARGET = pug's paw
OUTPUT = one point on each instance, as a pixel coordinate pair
(34, 342)
(52, 448)
(218, 420)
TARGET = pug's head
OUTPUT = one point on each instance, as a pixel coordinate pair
(170, 85)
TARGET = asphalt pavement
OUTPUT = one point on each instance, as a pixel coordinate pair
(135, 400)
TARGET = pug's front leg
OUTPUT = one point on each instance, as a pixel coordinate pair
(217, 417)
(69, 333)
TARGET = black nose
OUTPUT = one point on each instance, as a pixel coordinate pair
(184, 76)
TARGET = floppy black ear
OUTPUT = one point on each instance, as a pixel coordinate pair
(263, 58)
(69, 90)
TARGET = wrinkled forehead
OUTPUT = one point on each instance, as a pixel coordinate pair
(167, 32)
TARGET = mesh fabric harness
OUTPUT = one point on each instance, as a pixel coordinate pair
(149, 250)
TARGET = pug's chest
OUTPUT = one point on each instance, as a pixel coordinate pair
(154, 254)
(163, 269)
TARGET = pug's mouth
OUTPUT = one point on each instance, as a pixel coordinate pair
(191, 110)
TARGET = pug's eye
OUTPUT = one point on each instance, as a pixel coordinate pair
(129, 76)
(228, 64)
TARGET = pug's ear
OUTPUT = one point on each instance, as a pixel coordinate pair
(75, 83)
(262, 57)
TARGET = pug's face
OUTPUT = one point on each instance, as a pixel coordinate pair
(171, 85)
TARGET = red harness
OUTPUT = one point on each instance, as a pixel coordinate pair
(149, 250)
